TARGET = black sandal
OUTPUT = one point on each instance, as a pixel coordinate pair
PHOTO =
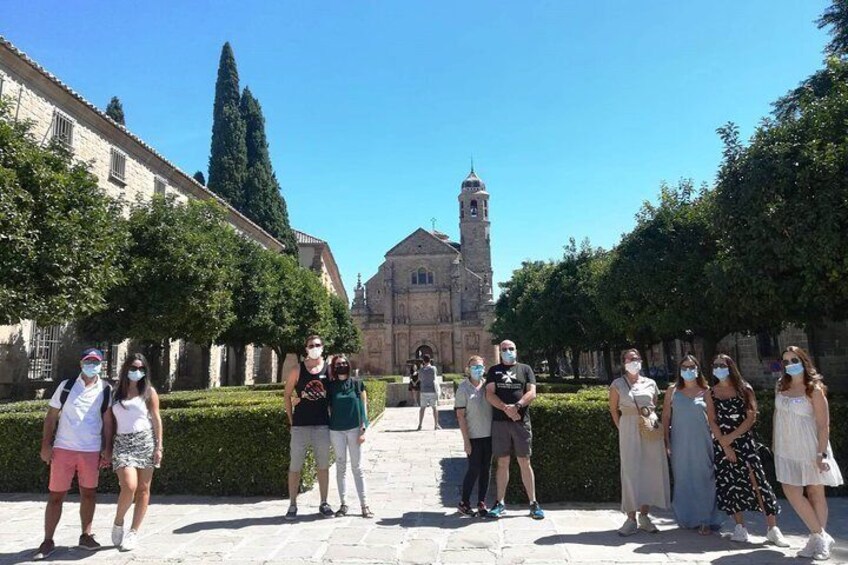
(342, 511)
(366, 512)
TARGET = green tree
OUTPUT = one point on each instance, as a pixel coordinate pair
(60, 235)
(198, 176)
(180, 270)
(835, 18)
(263, 202)
(344, 336)
(228, 158)
(115, 110)
(782, 212)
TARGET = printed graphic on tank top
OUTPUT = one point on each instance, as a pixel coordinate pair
(311, 390)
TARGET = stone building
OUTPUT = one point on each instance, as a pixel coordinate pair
(34, 358)
(431, 295)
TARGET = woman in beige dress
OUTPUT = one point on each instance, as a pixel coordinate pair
(644, 468)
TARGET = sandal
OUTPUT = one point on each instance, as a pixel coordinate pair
(704, 530)
(366, 512)
(342, 511)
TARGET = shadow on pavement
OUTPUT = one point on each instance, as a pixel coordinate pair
(451, 521)
(62, 553)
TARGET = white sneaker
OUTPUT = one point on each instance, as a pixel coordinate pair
(646, 524)
(117, 535)
(629, 528)
(740, 534)
(825, 545)
(810, 548)
(130, 541)
(775, 536)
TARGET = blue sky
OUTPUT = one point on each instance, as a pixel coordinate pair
(574, 111)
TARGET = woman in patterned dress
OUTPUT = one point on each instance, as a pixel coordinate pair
(741, 482)
(137, 446)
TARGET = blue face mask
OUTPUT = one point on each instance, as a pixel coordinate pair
(689, 374)
(135, 375)
(721, 373)
(91, 370)
(794, 369)
(508, 356)
(477, 372)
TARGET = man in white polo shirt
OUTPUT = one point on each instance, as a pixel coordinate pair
(80, 407)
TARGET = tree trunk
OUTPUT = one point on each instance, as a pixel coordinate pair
(607, 355)
(812, 347)
(710, 346)
(552, 364)
(153, 352)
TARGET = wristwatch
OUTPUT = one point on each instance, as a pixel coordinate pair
(519, 405)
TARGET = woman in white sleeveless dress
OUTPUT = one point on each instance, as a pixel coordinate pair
(803, 458)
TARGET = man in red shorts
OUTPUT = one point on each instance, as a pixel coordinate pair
(80, 407)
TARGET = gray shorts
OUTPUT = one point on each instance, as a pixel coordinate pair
(304, 436)
(511, 438)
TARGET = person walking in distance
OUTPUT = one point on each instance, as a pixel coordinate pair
(79, 415)
(310, 423)
(510, 389)
(429, 392)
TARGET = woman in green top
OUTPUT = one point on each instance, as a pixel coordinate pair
(348, 421)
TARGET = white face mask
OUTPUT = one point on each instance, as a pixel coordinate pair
(315, 353)
(633, 367)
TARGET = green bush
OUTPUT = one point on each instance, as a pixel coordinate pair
(216, 443)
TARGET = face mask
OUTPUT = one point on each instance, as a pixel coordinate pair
(477, 372)
(315, 353)
(135, 375)
(721, 373)
(633, 367)
(91, 371)
(795, 369)
(689, 374)
(344, 370)
(508, 356)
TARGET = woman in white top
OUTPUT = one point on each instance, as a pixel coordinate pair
(137, 445)
(803, 459)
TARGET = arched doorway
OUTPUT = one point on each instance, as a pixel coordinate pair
(424, 350)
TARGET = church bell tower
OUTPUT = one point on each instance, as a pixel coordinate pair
(474, 227)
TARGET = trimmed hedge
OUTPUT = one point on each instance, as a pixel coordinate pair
(575, 446)
(217, 442)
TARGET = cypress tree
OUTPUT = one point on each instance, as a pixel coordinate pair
(263, 202)
(198, 176)
(228, 158)
(115, 110)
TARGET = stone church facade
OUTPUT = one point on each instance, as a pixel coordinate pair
(431, 295)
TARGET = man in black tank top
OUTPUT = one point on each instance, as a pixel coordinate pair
(309, 418)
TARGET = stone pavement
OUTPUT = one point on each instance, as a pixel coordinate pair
(413, 480)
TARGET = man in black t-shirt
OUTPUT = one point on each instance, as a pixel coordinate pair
(510, 389)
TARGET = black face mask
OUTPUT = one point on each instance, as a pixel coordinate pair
(343, 370)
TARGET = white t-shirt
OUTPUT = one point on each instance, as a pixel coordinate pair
(80, 422)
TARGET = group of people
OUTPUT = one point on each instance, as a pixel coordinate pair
(707, 433)
(90, 426)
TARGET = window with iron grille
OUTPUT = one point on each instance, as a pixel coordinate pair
(43, 353)
(159, 186)
(117, 165)
(63, 129)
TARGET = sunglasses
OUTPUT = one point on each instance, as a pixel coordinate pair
(508, 349)
(791, 361)
(313, 345)
(337, 365)
(137, 367)
(688, 366)
(720, 366)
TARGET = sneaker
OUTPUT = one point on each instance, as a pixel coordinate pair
(823, 548)
(810, 548)
(536, 511)
(325, 510)
(292, 512)
(45, 550)
(740, 534)
(646, 524)
(775, 536)
(628, 528)
(465, 508)
(342, 511)
(497, 511)
(88, 543)
(366, 512)
(482, 511)
(117, 535)
(130, 541)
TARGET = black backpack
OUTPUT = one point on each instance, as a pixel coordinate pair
(69, 384)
